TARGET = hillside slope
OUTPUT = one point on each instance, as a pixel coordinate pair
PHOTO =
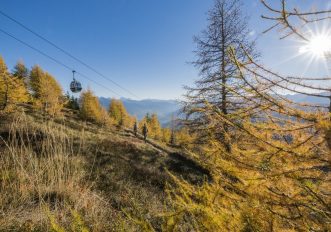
(65, 167)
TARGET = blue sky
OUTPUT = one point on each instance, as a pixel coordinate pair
(144, 45)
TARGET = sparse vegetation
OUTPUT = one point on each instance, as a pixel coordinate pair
(42, 176)
(64, 173)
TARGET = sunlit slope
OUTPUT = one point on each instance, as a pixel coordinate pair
(59, 168)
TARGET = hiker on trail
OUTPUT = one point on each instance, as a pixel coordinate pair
(145, 131)
(135, 128)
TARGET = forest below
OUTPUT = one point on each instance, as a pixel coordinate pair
(248, 150)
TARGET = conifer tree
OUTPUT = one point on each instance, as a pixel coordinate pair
(144, 121)
(12, 89)
(153, 125)
(89, 106)
(21, 72)
(35, 78)
(118, 114)
(46, 91)
(71, 102)
(166, 135)
(104, 118)
(227, 28)
(147, 118)
(275, 177)
(91, 109)
(184, 137)
(173, 132)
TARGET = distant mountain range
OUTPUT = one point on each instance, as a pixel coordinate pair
(165, 108)
(301, 98)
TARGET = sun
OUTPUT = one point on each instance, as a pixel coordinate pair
(318, 46)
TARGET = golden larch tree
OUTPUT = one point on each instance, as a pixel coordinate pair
(153, 126)
(119, 114)
(12, 89)
(91, 109)
(46, 91)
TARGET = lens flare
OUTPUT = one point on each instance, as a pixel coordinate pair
(318, 46)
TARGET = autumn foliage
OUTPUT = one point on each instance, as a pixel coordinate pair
(153, 126)
(119, 115)
(270, 157)
(12, 89)
(46, 91)
(91, 110)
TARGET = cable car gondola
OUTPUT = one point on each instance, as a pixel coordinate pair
(75, 86)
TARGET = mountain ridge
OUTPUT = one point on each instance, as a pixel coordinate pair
(166, 108)
(139, 108)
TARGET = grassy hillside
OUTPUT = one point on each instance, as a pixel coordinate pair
(68, 175)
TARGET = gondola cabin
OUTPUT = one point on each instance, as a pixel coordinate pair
(75, 86)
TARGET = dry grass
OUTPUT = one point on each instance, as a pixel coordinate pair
(41, 177)
(68, 175)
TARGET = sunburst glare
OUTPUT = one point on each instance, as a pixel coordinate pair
(319, 46)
